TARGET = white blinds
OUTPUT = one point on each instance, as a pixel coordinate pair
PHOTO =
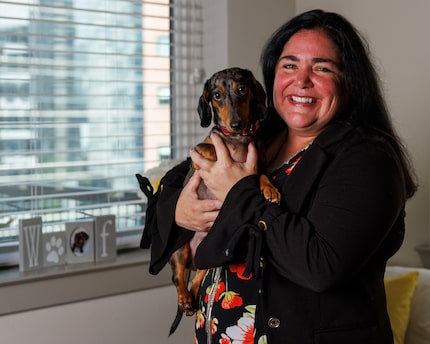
(92, 92)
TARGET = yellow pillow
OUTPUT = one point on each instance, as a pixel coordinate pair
(399, 291)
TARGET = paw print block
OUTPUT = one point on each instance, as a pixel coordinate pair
(54, 249)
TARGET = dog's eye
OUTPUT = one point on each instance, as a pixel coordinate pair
(242, 89)
(217, 96)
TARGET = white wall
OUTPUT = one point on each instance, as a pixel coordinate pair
(397, 32)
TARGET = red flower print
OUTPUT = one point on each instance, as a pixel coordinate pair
(231, 300)
(220, 289)
(293, 164)
(239, 269)
(200, 319)
(224, 339)
(214, 326)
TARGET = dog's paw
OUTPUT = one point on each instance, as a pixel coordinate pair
(269, 191)
(271, 194)
(188, 310)
(185, 303)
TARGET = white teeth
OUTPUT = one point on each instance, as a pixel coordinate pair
(301, 99)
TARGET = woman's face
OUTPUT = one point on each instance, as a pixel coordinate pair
(307, 90)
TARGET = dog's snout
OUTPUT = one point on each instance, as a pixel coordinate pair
(236, 125)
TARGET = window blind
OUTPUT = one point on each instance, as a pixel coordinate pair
(92, 92)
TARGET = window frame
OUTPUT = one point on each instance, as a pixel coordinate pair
(181, 136)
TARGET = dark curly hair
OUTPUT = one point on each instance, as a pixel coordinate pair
(366, 105)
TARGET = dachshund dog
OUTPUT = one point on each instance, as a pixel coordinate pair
(235, 101)
(79, 241)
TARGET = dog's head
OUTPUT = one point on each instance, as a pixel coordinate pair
(81, 238)
(235, 100)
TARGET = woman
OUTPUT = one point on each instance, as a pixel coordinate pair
(308, 270)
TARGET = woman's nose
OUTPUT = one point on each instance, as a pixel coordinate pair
(303, 78)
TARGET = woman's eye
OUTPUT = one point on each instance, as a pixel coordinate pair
(323, 69)
(290, 66)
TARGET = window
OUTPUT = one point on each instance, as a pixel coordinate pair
(85, 103)
(163, 47)
(163, 94)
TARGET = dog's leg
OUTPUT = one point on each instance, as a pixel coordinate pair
(195, 286)
(206, 149)
(180, 261)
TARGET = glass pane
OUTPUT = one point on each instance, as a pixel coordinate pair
(76, 97)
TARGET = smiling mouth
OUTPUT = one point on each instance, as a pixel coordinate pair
(303, 100)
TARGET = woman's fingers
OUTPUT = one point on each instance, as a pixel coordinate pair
(220, 175)
(222, 152)
(192, 185)
(191, 212)
(251, 162)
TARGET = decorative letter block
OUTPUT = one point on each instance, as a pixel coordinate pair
(30, 244)
(80, 242)
(105, 236)
(54, 249)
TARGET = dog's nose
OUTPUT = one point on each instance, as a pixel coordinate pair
(236, 125)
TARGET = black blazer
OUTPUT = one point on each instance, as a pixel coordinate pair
(326, 245)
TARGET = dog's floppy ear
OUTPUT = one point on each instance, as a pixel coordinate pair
(204, 109)
(259, 99)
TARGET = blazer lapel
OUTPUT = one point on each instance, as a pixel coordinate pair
(303, 177)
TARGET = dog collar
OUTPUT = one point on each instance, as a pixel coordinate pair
(245, 132)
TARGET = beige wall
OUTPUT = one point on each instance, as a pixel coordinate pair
(142, 317)
(236, 31)
(397, 32)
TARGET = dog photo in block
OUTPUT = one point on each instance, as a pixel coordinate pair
(80, 241)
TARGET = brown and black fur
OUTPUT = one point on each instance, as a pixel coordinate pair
(235, 101)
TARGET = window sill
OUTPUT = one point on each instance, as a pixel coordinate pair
(50, 287)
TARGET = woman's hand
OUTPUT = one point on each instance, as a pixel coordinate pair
(221, 175)
(192, 213)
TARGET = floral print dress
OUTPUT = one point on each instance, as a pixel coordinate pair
(227, 312)
(227, 307)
